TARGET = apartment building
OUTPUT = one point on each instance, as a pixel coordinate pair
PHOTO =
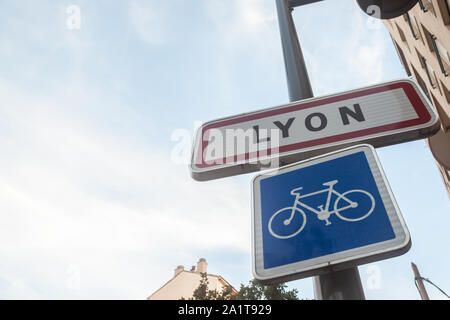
(184, 282)
(422, 40)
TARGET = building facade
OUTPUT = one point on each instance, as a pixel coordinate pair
(184, 282)
(422, 40)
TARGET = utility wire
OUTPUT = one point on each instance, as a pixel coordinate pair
(429, 281)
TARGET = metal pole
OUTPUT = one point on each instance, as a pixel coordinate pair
(339, 285)
(297, 75)
(419, 282)
(345, 284)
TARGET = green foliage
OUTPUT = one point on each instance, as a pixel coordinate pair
(253, 291)
(257, 291)
(203, 293)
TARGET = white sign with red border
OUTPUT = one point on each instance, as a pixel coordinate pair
(380, 115)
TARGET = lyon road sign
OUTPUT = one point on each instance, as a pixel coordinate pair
(380, 115)
(330, 212)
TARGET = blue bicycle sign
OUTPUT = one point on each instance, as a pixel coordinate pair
(336, 209)
(352, 205)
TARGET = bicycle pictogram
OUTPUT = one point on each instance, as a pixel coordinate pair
(352, 205)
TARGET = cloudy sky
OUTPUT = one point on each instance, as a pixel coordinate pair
(96, 118)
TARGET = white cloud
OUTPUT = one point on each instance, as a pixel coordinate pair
(241, 21)
(73, 194)
(151, 20)
(366, 52)
(348, 51)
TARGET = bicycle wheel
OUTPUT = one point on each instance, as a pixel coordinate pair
(281, 218)
(357, 205)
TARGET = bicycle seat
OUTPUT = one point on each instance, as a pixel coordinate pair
(296, 191)
(330, 183)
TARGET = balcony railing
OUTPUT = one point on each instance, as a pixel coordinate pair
(444, 68)
(427, 71)
(414, 32)
(426, 6)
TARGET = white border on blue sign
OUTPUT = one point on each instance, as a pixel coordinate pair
(352, 257)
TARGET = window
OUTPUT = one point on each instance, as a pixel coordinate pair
(430, 72)
(442, 55)
(443, 115)
(402, 36)
(434, 79)
(401, 33)
(442, 51)
(444, 6)
(413, 25)
(427, 6)
(420, 58)
(445, 176)
(414, 31)
(428, 38)
(402, 58)
(421, 83)
(446, 92)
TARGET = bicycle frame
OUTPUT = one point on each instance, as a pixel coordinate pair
(330, 191)
(322, 213)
